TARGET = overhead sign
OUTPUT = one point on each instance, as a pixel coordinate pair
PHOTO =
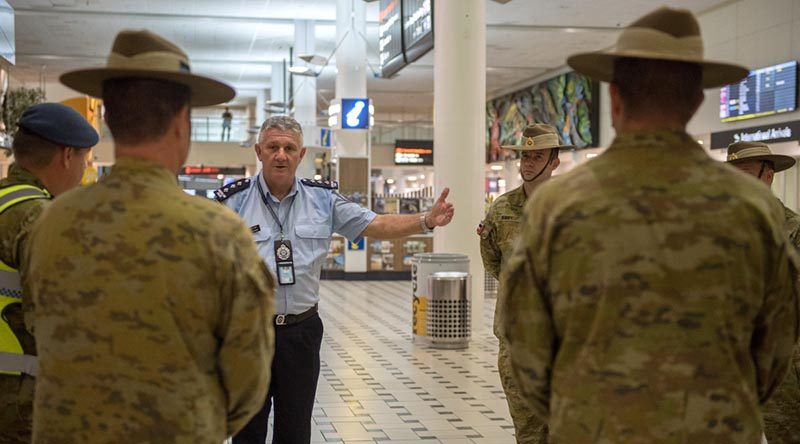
(8, 45)
(355, 114)
(417, 28)
(764, 92)
(413, 152)
(390, 35)
(779, 132)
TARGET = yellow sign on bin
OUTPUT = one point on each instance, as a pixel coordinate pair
(420, 312)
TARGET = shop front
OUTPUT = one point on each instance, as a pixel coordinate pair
(401, 181)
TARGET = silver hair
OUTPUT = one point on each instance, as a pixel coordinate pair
(282, 123)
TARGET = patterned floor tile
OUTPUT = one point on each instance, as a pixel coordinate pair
(376, 386)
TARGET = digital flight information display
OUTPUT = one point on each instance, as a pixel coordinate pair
(417, 28)
(390, 35)
(764, 92)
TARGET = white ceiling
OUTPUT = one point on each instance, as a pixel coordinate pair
(236, 40)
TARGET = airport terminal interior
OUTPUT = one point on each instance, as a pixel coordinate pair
(398, 100)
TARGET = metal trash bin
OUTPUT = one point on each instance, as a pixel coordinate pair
(449, 310)
(422, 266)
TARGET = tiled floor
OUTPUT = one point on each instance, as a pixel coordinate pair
(376, 386)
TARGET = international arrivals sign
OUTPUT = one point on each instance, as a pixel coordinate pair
(776, 133)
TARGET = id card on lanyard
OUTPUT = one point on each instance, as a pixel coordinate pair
(284, 256)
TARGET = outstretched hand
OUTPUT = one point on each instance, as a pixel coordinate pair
(442, 211)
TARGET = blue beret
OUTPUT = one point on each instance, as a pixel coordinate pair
(59, 124)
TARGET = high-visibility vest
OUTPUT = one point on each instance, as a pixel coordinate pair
(13, 360)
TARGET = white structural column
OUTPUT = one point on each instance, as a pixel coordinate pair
(277, 92)
(459, 100)
(351, 63)
(304, 94)
(351, 83)
(261, 103)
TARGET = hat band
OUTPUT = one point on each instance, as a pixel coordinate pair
(152, 61)
(543, 140)
(749, 152)
(653, 41)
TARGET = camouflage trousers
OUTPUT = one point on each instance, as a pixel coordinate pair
(529, 429)
(16, 409)
(782, 411)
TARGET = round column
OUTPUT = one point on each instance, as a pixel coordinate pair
(459, 97)
(351, 83)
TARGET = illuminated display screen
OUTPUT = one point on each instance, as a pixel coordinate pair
(390, 35)
(417, 28)
(764, 92)
(413, 152)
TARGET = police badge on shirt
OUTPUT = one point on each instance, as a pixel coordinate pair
(284, 262)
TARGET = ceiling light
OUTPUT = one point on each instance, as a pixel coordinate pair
(220, 176)
(411, 178)
(301, 70)
(421, 176)
(501, 183)
(496, 167)
(317, 177)
(390, 181)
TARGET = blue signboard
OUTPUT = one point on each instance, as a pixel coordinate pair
(324, 137)
(358, 245)
(355, 113)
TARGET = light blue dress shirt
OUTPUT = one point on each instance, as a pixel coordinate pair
(309, 215)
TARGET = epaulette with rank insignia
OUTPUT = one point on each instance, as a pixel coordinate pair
(329, 184)
(227, 191)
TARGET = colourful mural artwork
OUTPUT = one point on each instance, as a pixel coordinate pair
(567, 101)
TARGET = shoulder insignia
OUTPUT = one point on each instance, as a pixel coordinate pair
(481, 226)
(328, 184)
(221, 194)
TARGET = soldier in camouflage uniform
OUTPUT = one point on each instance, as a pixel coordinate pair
(651, 297)
(50, 152)
(152, 308)
(782, 411)
(538, 160)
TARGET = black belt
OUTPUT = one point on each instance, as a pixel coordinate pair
(283, 320)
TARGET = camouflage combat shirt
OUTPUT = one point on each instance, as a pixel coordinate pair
(651, 298)
(15, 225)
(498, 233)
(16, 392)
(153, 314)
(782, 411)
(500, 229)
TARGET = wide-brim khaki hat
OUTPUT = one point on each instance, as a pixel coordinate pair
(143, 54)
(758, 151)
(665, 34)
(539, 136)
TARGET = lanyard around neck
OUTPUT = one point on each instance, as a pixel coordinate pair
(271, 211)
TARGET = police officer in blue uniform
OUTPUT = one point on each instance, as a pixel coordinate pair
(50, 155)
(292, 221)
